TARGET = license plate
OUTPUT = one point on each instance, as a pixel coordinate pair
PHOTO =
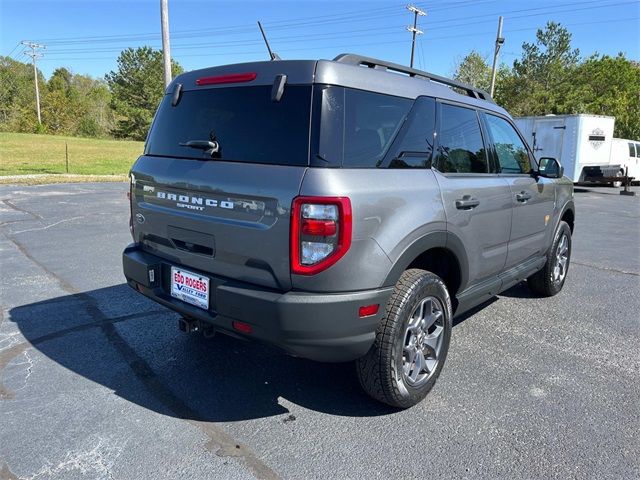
(190, 287)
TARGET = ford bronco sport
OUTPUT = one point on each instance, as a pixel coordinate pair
(341, 210)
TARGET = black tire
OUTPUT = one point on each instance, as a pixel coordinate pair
(545, 282)
(381, 371)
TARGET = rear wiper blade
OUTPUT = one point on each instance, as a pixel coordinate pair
(210, 147)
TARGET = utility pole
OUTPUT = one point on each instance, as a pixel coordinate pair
(35, 54)
(499, 43)
(166, 48)
(414, 30)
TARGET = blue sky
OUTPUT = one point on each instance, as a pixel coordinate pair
(86, 36)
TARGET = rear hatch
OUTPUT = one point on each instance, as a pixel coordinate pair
(224, 212)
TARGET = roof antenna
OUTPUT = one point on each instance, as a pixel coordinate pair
(274, 56)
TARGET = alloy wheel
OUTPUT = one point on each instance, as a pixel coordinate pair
(423, 341)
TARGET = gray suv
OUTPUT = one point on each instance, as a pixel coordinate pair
(341, 210)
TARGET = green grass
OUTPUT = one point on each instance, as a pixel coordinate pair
(24, 153)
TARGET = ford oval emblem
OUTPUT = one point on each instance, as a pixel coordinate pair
(140, 218)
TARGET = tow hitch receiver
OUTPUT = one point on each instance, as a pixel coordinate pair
(189, 325)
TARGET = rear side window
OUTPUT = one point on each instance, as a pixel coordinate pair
(460, 146)
(511, 150)
(632, 150)
(413, 146)
(354, 128)
(246, 123)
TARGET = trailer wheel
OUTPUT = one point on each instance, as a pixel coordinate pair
(620, 173)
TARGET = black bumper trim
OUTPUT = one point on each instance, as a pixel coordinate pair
(319, 326)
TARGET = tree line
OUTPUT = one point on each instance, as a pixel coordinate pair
(550, 77)
(119, 106)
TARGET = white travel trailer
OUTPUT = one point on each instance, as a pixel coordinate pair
(582, 143)
(626, 153)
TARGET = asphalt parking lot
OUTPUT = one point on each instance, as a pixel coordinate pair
(97, 382)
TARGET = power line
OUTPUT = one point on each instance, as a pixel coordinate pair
(328, 36)
(291, 24)
(327, 47)
(225, 30)
(10, 54)
(241, 29)
(333, 35)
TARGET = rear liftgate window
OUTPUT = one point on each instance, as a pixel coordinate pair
(246, 123)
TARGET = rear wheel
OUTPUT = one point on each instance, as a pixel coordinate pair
(411, 342)
(550, 280)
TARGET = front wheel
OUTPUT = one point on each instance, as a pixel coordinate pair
(550, 280)
(412, 341)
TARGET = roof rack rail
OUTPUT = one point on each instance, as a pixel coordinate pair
(412, 72)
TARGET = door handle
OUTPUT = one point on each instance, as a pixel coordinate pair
(523, 196)
(467, 203)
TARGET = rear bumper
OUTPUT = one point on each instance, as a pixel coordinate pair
(319, 326)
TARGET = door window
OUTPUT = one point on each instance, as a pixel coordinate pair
(511, 150)
(460, 145)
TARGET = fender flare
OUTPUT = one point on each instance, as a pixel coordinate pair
(437, 239)
(567, 206)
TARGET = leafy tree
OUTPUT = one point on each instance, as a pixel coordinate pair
(98, 118)
(17, 96)
(605, 85)
(60, 103)
(541, 77)
(474, 70)
(137, 88)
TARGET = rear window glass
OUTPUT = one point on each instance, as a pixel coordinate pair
(246, 123)
(354, 128)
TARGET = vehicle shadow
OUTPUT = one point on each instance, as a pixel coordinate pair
(215, 379)
(520, 290)
(119, 339)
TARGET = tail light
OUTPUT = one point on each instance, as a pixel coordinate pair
(320, 233)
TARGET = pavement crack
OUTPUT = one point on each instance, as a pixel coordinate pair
(94, 462)
(13, 206)
(606, 269)
(48, 226)
(8, 354)
(66, 286)
(220, 442)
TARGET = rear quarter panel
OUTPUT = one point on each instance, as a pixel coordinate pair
(391, 209)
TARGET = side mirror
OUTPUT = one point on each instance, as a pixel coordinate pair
(550, 168)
